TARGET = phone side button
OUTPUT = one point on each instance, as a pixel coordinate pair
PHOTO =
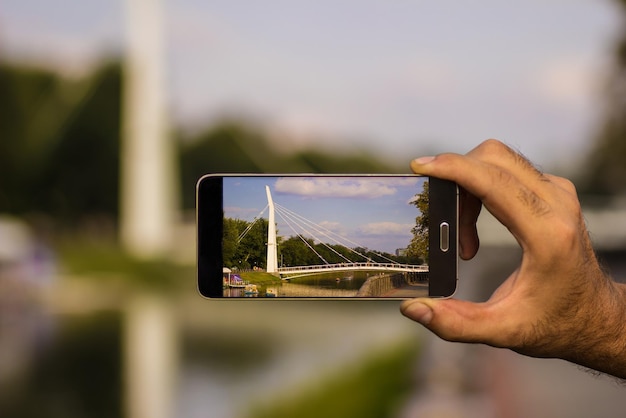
(444, 236)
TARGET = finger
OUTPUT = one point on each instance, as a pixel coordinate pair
(511, 201)
(501, 155)
(469, 209)
(456, 320)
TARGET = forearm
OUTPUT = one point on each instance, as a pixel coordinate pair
(602, 338)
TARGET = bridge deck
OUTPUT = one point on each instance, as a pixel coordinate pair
(353, 267)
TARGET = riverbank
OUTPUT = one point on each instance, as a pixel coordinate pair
(393, 285)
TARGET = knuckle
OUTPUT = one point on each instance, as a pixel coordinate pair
(490, 147)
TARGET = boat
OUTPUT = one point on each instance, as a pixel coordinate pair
(270, 293)
(251, 290)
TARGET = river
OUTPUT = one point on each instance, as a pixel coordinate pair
(342, 285)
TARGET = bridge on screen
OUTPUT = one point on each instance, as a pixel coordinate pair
(320, 268)
(312, 229)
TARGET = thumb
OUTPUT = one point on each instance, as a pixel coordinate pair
(452, 319)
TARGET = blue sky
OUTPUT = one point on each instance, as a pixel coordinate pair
(402, 78)
(374, 212)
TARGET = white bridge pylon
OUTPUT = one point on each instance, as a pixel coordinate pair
(272, 255)
(272, 250)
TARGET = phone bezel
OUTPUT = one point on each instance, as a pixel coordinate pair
(443, 207)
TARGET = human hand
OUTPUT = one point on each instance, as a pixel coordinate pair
(558, 302)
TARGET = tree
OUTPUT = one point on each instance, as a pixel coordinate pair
(418, 247)
(230, 240)
(237, 146)
(607, 161)
(294, 252)
(59, 146)
(251, 250)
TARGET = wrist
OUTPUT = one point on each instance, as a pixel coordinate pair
(601, 340)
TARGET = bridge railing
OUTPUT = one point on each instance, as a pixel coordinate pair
(357, 266)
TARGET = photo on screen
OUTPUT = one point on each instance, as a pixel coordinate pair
(325, 236)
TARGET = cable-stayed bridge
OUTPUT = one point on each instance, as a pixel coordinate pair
(368, 266)
(303, 228)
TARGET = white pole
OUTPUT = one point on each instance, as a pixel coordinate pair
(150, 357)
(272, 250)
(148, 178)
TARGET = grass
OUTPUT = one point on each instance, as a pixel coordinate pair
(375, 389)
(102, 259)
(260, 278)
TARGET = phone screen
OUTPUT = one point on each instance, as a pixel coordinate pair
(319, 236)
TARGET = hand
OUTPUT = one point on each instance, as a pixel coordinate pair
(558, 302)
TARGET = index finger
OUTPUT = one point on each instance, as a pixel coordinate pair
(508, 196)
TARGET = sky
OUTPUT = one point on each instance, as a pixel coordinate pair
(372, 212)
(401, 78)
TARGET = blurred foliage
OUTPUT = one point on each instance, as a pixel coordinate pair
(60, 142)
(233, 146)
(106, 260)
(376, 389)
(230, 353)
(59, 153)
(607, 162)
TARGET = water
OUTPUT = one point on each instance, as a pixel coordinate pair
(329, 284)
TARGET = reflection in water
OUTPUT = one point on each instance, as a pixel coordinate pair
(77, 373)
(303, 290)
(329, 285)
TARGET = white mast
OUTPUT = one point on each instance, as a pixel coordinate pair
(148, 177)
(272, 250)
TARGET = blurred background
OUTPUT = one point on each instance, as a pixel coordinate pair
(111, 110)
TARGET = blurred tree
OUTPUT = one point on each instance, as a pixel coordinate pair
(59, 152)
(82, 173)
(327, 162)
(60, 141)
(233, 146)
(228, 147)
(29, 99)
(607, 162)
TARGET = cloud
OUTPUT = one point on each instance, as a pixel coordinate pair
(567, 80)
(365, 188)
(386, 228)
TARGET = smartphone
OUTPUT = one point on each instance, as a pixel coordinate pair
(326, 236)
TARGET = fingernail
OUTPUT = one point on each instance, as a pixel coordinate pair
(419, 312)
(423, 160)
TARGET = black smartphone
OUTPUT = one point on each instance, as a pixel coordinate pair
(326, 236)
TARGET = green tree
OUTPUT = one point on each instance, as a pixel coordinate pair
(418, 247)
(294, 252)
(230, 240)
(236, 146)
(607, 162)
(59, 147)
(252, 249)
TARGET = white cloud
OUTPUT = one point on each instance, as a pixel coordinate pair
(386, 228)
(366, 188)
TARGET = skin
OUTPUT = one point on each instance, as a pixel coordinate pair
(559, 302)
